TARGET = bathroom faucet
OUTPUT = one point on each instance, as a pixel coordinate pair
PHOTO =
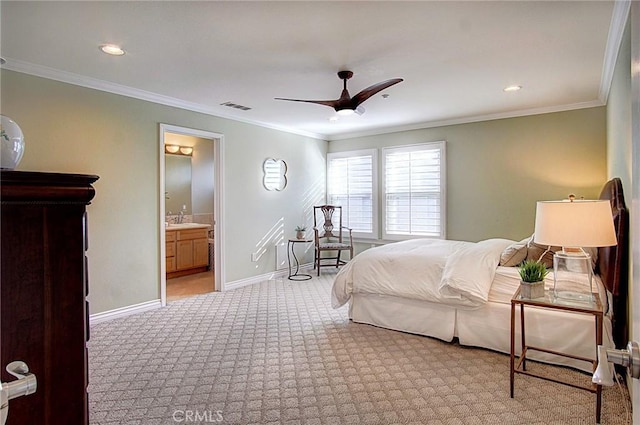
(180, 217)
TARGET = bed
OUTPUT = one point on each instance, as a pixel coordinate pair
(469, 297)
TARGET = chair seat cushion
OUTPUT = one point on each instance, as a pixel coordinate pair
(334, 245)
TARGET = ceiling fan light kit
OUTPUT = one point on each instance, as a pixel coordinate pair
(347, 105)
(345, 112)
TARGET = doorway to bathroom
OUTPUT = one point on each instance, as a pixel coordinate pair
(191, 235)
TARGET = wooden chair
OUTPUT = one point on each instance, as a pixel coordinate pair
(329, 237)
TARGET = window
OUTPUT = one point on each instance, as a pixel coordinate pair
(352, 183)
(413, 196)
(414, 189)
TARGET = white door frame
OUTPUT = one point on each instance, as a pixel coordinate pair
(218, 218)
(635, 195)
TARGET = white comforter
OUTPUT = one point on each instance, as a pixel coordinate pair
(454, 273)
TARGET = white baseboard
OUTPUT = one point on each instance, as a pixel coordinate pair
(124, 311)
(154, 304)
(261, 278)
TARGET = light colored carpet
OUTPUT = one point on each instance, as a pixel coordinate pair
(277, 353)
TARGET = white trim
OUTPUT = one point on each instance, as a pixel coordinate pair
(124, 311)
(278, 274)
(467, 120)
(218, 208)
(109, 87)
(634, 209)
(614, 41)
(115, 88)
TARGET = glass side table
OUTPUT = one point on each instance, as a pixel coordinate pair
(291, 252)
(593, 308)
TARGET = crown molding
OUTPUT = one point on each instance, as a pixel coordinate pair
(468, 120)
(119, 89)
(614, 40)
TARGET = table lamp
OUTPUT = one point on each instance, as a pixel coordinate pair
(573, 225)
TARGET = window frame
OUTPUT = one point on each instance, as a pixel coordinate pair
(375, 226)
(439, 145)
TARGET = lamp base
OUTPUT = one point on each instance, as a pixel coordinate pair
(580, 297)
(572, 277)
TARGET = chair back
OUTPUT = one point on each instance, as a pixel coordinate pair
(328, 228)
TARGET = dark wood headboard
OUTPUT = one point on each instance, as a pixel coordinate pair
(613, 261)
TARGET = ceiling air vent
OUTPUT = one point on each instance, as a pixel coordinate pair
(236, 106)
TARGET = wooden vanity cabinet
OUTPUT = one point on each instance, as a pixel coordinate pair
(184, 255)
(187, 251)
(201, 252)
(43, 288)
(170, 250)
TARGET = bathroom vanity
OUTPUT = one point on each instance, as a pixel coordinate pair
(187, 249)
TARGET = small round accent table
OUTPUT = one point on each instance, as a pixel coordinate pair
(291, 252)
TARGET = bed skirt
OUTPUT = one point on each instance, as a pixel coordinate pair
(487, 327)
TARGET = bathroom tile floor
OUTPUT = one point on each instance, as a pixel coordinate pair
(190, 285)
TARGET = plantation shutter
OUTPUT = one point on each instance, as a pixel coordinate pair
(414, 191)
(350, 183)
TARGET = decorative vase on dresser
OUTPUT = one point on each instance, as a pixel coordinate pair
(43, 288)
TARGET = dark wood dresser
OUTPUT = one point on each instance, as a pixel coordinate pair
(43, 287)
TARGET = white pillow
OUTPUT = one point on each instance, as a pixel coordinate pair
(468, 272)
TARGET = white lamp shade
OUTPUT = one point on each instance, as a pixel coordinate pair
(574, 224)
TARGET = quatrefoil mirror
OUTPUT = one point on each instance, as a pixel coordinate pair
(275, 174)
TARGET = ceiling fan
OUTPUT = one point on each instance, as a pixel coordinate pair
(346, 104)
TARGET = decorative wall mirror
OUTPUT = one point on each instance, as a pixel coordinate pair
(275, 174)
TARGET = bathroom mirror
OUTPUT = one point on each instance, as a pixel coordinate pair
(177, 183)
(275, 174)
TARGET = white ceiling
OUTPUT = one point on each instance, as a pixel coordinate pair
(455, 57)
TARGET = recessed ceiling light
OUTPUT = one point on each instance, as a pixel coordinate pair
(112, 49)
(512, 88)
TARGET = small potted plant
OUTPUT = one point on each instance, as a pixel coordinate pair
(300, 232)
(532, 274)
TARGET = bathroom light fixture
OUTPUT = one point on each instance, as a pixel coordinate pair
(112, 49)
(178, 150)
(512, 88)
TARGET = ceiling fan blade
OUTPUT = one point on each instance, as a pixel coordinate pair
(371, 90)
(331, 103)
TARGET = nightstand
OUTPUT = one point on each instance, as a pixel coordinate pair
(550, 302)
(291, 252)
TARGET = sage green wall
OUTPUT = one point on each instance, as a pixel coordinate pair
(497, 170)
(619, 116)
(78, 130)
